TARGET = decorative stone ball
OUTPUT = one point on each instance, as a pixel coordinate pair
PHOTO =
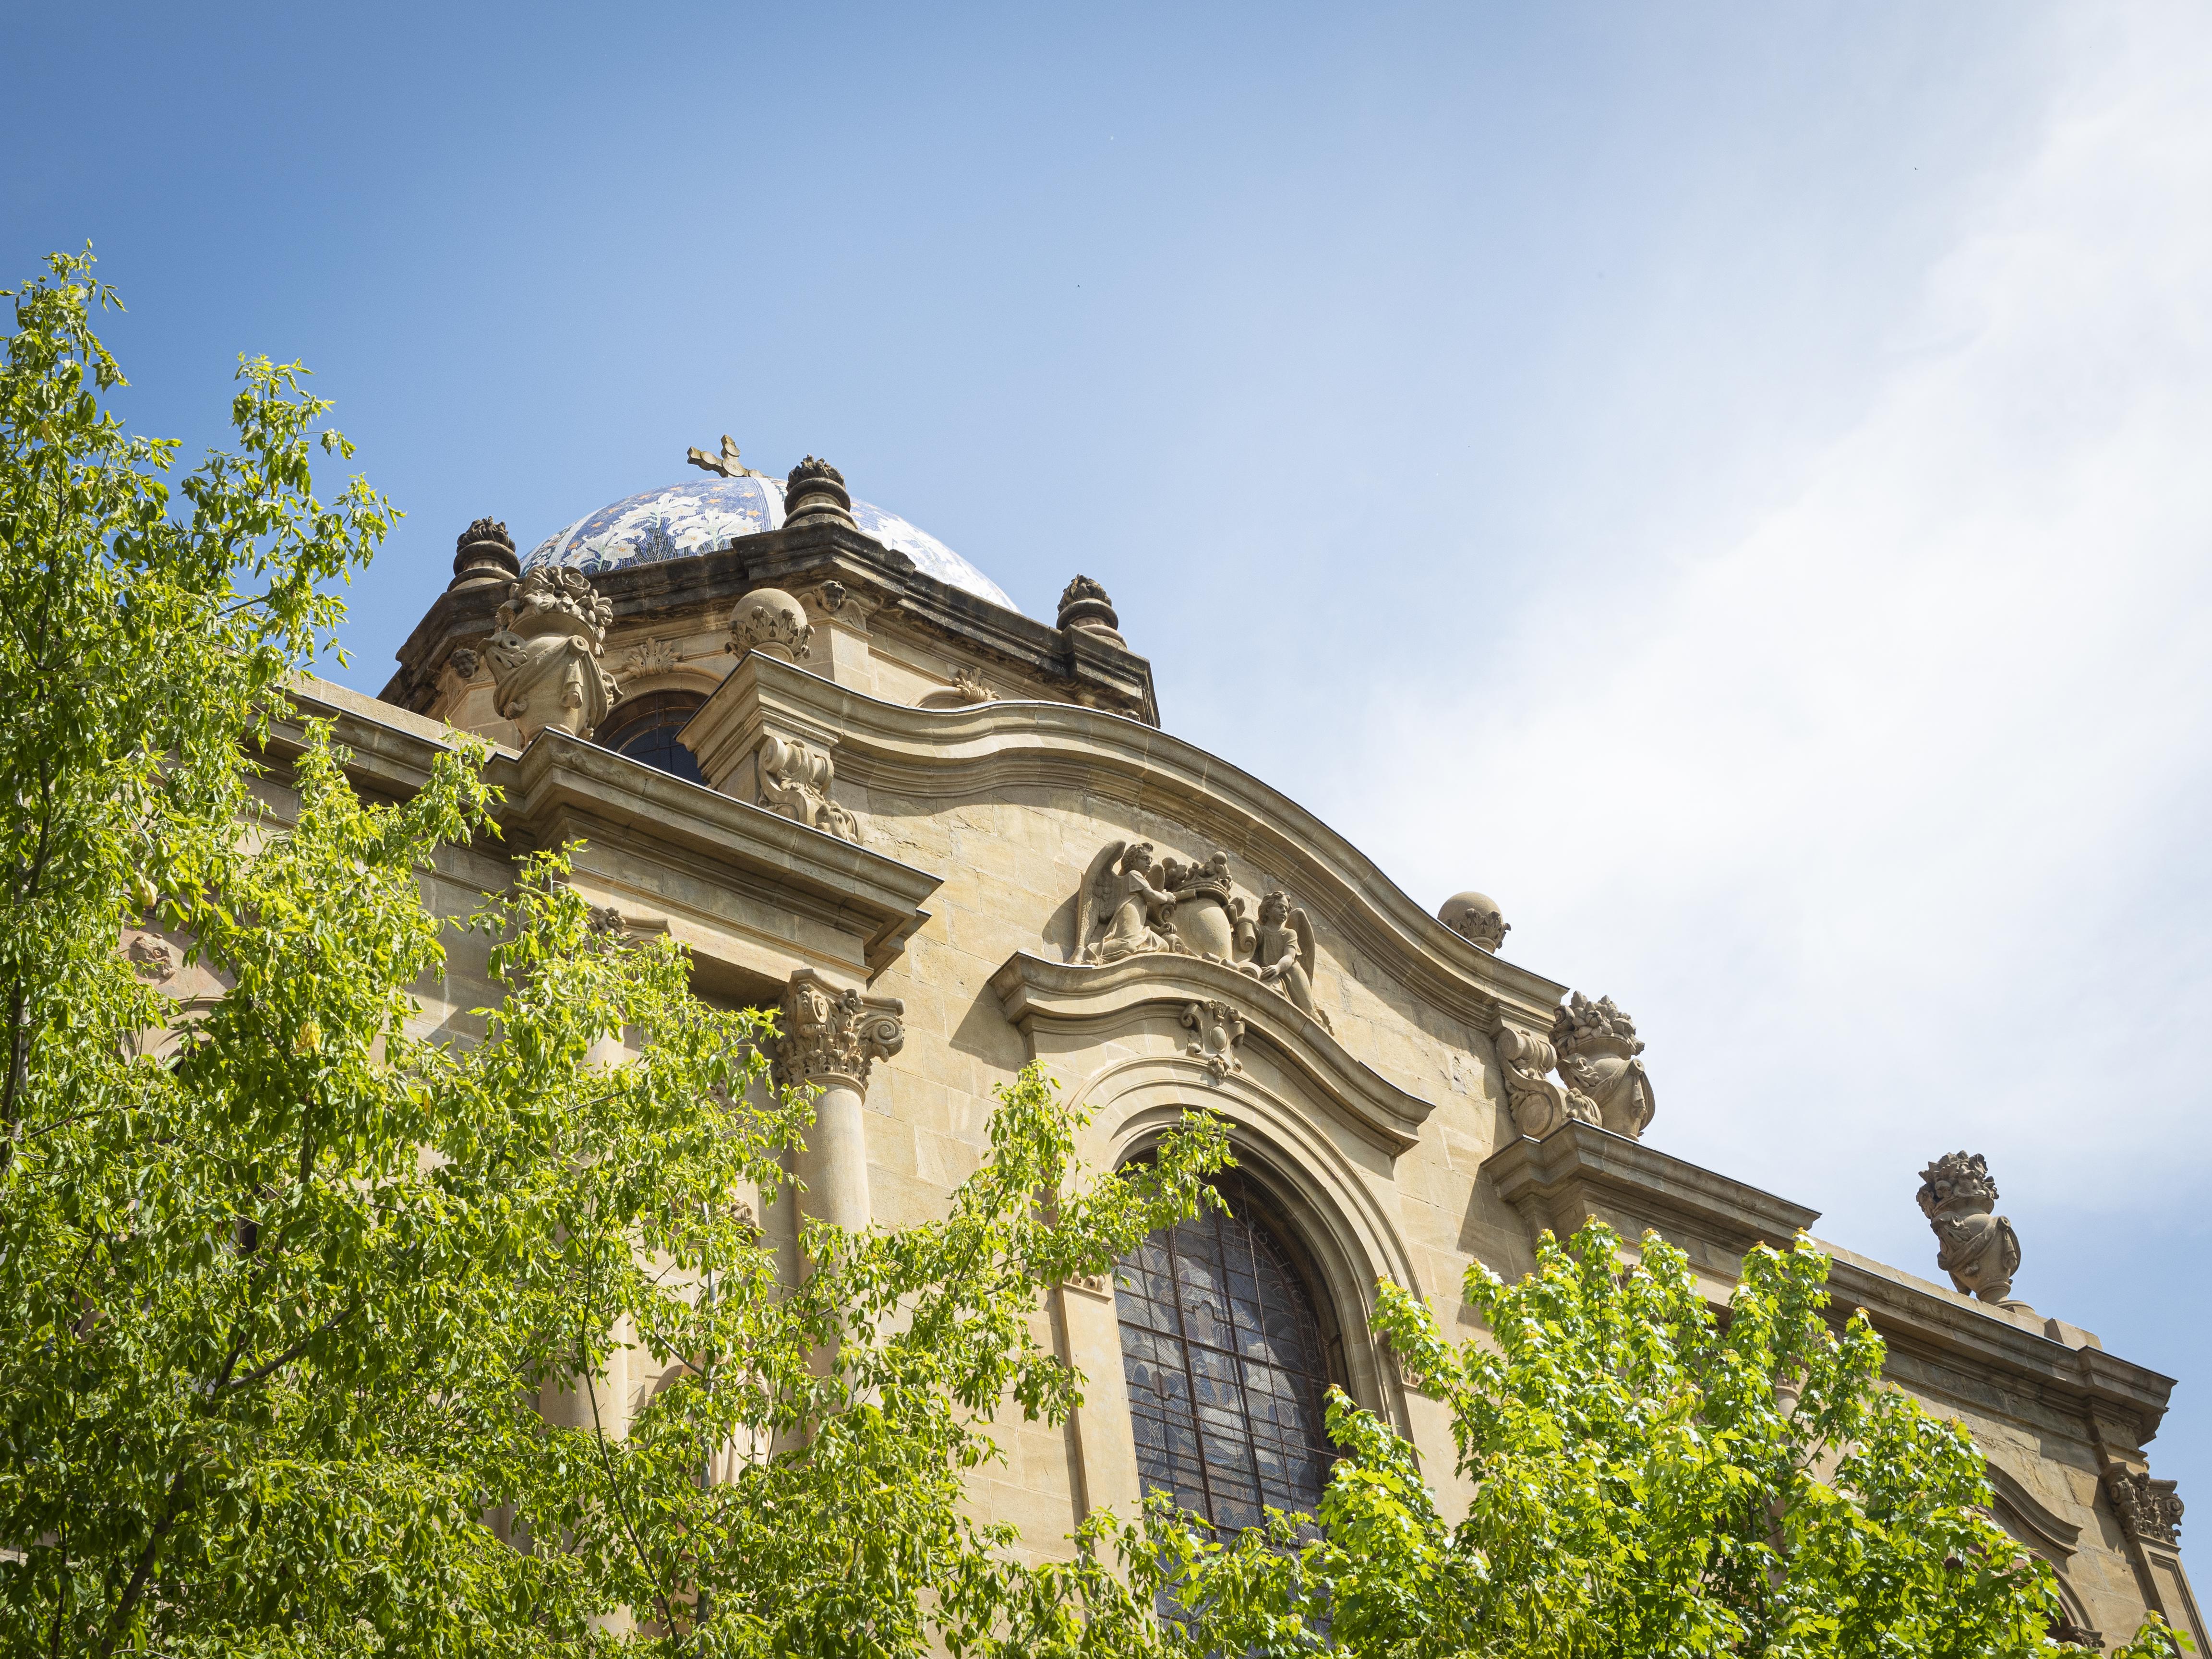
(1474, 916)
(769, 620)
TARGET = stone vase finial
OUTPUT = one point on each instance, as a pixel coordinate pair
(544, 654)
(1979, 1250)
(771, 622)
(482, 554)
(1476, 917)
(1597, 1047)
(1084, 605)
(814, 493)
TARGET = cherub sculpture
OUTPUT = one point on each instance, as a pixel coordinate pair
(1119, 911)
(1283, 953)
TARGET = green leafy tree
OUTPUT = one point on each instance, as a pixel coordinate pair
(282, 1285)
(1648, 1480)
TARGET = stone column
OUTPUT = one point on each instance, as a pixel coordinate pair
(830, 1038)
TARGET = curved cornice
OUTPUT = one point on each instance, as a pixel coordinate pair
(973, 753)
(1072, 998)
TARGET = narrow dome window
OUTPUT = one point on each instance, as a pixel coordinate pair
(645, 728)
(1224, 1353)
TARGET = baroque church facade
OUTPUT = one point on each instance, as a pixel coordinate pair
(946, 839)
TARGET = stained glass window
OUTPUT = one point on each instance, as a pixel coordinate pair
(1222, 1349)
(645, 728)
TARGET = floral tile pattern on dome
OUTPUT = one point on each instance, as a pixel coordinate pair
(707, 514)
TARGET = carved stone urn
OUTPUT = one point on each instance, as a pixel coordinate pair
(544, 654)
(1205, 914)
(1598, 1048)
(1979, 1250)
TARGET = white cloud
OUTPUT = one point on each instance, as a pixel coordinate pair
(1880, 821)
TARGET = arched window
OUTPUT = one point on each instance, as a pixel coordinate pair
(645, 729)
(1224, 1350)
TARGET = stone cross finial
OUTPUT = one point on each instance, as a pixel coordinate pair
(726, 463)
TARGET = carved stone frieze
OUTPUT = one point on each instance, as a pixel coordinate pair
(769, 620)
(2149, 1510)
(1219, 1029)
(828, 1035)
(545, 653)
(794, 783)
(1476, 917)
(1597, 1048)
(1539, 1103)
(1130, 905)
(1979, 1250)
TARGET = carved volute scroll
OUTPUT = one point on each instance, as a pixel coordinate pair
(1132, 903)
(545, 653)
(830, 1035)
(794, 783)
(1539, 1103)
(1979, 1250)
(1597, 1047)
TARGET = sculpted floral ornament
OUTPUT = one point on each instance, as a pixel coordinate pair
(1597, 1048)
(652, 657)
(545, 653)
(1476, 917)
(1130, 905)
(1540, 1103)
(829, 1035)
(2149, 1509)
(151, 956)
(1220, 1028)
(794, 783)
(1979, 1250)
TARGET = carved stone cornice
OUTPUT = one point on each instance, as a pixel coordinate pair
(829, 1035)
(799, 558)
(981, 752)
(1231, 1015)
(681, 837)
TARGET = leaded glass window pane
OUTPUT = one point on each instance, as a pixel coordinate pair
(1221, 1348)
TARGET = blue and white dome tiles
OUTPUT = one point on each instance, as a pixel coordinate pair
(685, 518)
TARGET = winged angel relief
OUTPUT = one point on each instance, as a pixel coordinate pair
(1132, 903)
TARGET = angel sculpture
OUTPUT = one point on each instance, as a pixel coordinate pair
(1283, 953)
(1119, 911)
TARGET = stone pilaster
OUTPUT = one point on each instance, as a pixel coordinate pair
(831, 1038)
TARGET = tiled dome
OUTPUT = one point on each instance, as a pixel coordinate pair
(683, 519)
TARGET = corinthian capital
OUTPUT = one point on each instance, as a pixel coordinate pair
(829, 1035)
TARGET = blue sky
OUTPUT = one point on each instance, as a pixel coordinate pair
(1734, 484)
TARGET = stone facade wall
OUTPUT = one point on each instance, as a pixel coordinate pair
(921, 803)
